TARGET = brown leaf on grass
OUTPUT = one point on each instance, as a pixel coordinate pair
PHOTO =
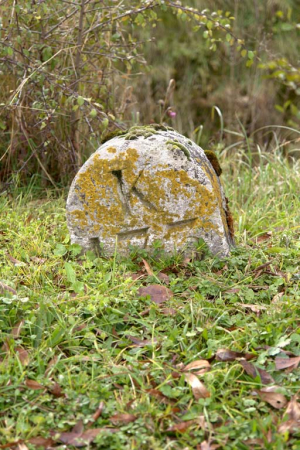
(141, 342)
(41, 442)
(254, 308)
(224, 355)
(157, 293)
(163, 277)
(169, 311)
(200, 366)
(264, 237)
(293, 409)
(159, 395)
(290, 426)
(284, 363)
(11, 445)
(84, 438)
(32, 384)
(21, 446)
(16, 331)
(80, 327)
(98, 412)
(23, 355)
(277, 297)
(51, 363)
(198, 388)
(121, 418)
(5, 287)
(135, 276)
(272, 397)
(148, 268)
(253, 371)
(56, 390)
(38, 260)
(78, 427)
(233, 290)
(181, 427)
(15, 261)
(208, 446)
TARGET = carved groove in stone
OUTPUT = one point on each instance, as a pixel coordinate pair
(181, 223)
(120, 187)
(95, 244)
(132, 233)
(143, 200)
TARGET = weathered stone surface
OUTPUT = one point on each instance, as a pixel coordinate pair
(150, 184)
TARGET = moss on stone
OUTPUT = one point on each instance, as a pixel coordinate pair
(113, 134)
(213, 159)
(175, 144)
(136, 131)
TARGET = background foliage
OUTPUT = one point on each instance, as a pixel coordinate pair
(70, 72)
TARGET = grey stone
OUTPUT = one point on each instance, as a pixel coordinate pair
(147, 185)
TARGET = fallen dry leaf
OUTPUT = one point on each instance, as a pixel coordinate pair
(16, 331)
(289, 426)
(11, 445)
(51, 363)
(277, 297)
(148, 268)
(200, 366)
(32, 384)
(207, 446)
(82, 439)
(158, 394)
(56, 390)
(98, 412)
(293, 409)
(181, 427)
(253, 371)
(78, 427)
(264, 237)
(38, 260)
(233, 290)
(5, 287)
(42, 442)
(254, 308)
(157, 293)
(120, 418)
(198, 388)
(21, 446)
(169, 311)
(15, 261)
(284, 363)
(141, 342)
(163, 277)
(223, 354)
(23, 355)
(275, 399)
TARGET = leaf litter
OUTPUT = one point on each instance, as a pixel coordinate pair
(158, 294)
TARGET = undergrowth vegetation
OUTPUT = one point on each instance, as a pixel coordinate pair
(153, 351)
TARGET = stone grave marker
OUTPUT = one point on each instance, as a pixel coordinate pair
(149, 184)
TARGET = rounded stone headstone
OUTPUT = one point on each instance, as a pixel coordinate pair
(147, 185)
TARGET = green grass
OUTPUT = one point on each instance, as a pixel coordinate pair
(79, 347)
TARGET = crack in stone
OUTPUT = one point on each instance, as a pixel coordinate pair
(122, 235)
(143, 200)
(95, 245)
(182, 223)
(122, 195)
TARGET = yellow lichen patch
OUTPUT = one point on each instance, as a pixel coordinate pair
(79, 219)
(111, 150)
